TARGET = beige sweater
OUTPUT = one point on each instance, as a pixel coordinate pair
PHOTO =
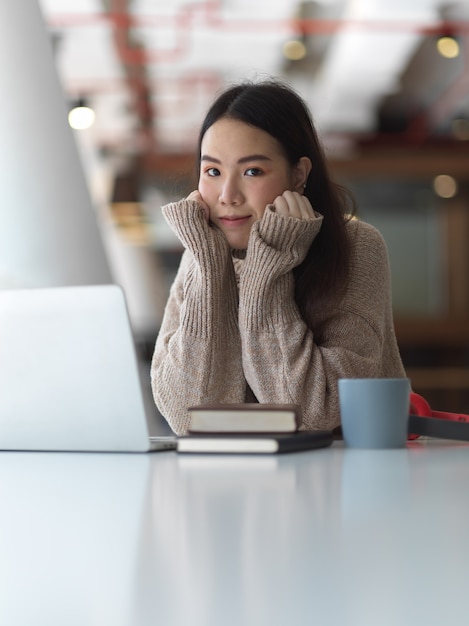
(232, 331)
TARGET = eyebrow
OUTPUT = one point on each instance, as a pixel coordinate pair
(246, 159)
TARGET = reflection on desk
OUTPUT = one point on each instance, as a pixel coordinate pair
(329, 537)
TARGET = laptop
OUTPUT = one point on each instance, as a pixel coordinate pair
(69, 375)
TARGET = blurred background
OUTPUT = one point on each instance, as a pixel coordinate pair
(388, 86)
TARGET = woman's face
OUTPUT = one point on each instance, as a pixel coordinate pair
(242, 170)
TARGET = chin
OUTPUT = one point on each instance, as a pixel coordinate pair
(238, 244)
(236, 241)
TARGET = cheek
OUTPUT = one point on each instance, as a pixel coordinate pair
(207, 191)
(267, 193)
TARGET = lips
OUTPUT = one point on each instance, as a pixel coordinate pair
(234, 220)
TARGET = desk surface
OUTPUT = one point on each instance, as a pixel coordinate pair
(329, 537)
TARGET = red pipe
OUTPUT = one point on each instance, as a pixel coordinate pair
(306, 26)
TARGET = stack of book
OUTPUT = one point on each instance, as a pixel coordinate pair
(249, 429)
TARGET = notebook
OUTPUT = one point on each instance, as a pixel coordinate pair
(69, 375)
(254, 443)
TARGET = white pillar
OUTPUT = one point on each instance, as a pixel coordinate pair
(49, 231)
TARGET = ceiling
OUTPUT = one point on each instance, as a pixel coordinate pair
(150, 68)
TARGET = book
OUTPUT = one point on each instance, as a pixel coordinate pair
(254, 443)
(248, 417)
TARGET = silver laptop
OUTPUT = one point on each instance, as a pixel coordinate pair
(69, 375)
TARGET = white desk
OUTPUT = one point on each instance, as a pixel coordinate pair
(329, 537)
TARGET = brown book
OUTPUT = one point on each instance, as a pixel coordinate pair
(244, 418)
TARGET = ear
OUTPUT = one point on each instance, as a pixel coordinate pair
(300, 173)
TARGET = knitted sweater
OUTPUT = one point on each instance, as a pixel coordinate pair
(232, 332)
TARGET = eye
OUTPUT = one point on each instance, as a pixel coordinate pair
(253, 171)
(212, 171)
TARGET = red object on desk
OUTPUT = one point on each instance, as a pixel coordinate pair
(419, 406)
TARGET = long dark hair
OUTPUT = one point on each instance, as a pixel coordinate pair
(278, 110)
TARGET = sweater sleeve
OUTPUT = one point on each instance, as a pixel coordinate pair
(283, 359)
(197, 355)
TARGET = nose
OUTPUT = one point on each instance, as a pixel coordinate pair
(230, 192)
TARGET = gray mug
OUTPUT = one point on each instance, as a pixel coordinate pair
(374, 411)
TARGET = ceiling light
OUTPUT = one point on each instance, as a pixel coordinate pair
(445, 186)
(448, 47)
(81, 116)
(294, 50)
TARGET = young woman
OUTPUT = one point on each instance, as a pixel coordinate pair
(279, 292)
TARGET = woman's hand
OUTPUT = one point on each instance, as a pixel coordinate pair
(293, 204)
(197, 197)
